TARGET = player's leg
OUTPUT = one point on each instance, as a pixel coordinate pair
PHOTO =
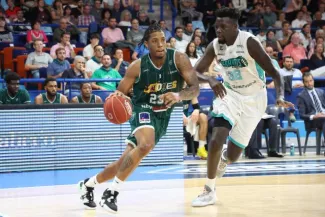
(86, 187)
(203, 132)
(145, 137)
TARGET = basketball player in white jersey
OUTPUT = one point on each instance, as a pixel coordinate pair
(240, 100)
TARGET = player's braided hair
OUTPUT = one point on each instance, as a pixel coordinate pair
(232, 13)
(154, 27)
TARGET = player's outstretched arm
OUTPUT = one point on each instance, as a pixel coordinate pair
(131, 74)
(256, 51)
(189, 75)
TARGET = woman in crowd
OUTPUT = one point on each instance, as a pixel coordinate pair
(191, 53)
(317, 59)
(36, 33)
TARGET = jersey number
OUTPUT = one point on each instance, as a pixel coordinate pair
(154, 99)
(234, 75)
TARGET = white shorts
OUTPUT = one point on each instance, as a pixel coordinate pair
(242, 112)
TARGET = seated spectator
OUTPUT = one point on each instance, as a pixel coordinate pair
(284, 34)
(255, 15)
(12, 94)
(37, 59)
(191, 53)
(136, 9)
(188, 32)
(59, 65)
(295, 49)
(88, 51)
(95, 62)
(78, 9)
(318, 22)
(78, 72)
(143, 18)
(306, 14)
(5, 33)
(40, 13)
(135, 35)
(188, 10)
(12, 10)
(172, 42)
(317, 60)
(67, 14)
(305, 36)
(272, 42)
(280, 20)
(116, 11)
(96, 10)
(85, 20)
(269, 17)
(261, 35)
(65, 26)
(51, 96)
(112, 34)
(118, 62)
(199, 48)
(311, 104)
(319, 39)
(105, 72)
(86, 95)
(106, 14)
(162, 24)
(299, 22)
(181, 44)
(25, 25)
(140, 51)
(127, 4)
(36, 33)
(196, 123)
(56, 11)
(65, 44)
(125, 18)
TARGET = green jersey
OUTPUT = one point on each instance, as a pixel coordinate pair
(153, 82)
(57, 99)
(92, 99)
(22, 97)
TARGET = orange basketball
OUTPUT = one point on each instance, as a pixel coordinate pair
(117, 109)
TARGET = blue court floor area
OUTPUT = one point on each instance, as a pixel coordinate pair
(180, 171)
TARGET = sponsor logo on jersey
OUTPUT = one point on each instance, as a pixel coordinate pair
(238, 62)
(156, 87)
(144, 117)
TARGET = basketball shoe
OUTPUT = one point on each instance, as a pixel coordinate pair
(222, 166)
(202, 153)
(108, 201)
(87, 195)
(208, 197)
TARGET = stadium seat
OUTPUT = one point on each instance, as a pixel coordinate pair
(19, 65)
(127, 54)
(8, 56)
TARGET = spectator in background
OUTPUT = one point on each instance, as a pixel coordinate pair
(56, 11)
(172, 42)
(199, 48)
(162, 24)
(143, 19)
(86, 95)
(105, 72)
(188, 10)
(317, 21)
(95, 62)
(112, 34)
(51, 96)
(59, 65)
(21, 20)
(269, 17)
(65, 44)
(140, 51)
(317, 60)
(292, 8)
(106, 14)
(67, 14)
(5, 33)
(299, 22)
(40, 13)
(84, 20)
(284, 34)
(272, 42)
(306, 14)
(280, 20)
(305, 36)
(88, 51)
(77, 72)
(77, 11)
(188, 32)
(135, 34)
(65, 26)
(181, 44)
(36, 34)
(116, 11)
(261, 35)
(191, 53)
(37, 59)
(12, 10)
(108, 4)
(136, 10)
(255, 15)
(127, 4)
(198, 32)
(96, 10)
(12, 94)
(118, 62)
(125, 18)
(295, 49)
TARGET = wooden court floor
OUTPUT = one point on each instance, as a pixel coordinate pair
(261, 196)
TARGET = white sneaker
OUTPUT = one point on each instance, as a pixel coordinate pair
(208, 197)
(222, 166)
(86, 195)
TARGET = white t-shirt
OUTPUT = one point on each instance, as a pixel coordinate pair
(92, 66)
(181, 45)
(88, 51)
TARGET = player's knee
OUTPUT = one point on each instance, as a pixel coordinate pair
(145, 148)
(203, 119)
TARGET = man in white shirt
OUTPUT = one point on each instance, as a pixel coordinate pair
(181, 44)
(188, 32)
(299, 21)
(88, 51)
(95, 63)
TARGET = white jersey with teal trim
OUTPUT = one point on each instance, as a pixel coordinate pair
(241, 73)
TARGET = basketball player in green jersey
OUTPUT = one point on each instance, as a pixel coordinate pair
(51, 96)
(157, 80)
(86, 95)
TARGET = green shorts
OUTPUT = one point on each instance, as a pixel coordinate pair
(142, 117)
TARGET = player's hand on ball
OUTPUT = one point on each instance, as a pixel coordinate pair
(117, 93)
(218, 88)
(195, 115)
(285, 104)
(170, 98)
